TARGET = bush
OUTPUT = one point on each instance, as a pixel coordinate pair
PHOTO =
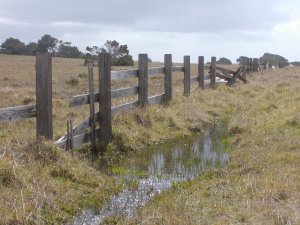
(125, 60)
(73, 81)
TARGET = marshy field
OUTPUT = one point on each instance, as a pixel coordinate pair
(42, 184)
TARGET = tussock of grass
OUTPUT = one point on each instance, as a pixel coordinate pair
(42, 184)
(73, 81)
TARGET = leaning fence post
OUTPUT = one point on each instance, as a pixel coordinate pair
(104, 100)
(44, 125)
(201, 71)
(213, 72)
(143, 80)
(168, 77)
(92, 106)
(187, 76)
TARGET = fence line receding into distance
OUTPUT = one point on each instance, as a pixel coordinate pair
(99, 124)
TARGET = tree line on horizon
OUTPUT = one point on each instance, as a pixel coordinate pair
(58, 48)
(120, 53)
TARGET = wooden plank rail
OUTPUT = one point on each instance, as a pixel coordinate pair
(17, 113)
(79, 100)
(236, 75)
(77, 140)
(194, 78)
(225, 69)
(126, 74)
(157, 99)
(223, 76)
(124, 92)
(124, 107)
(156, 71)
(177, 69)
(81, 127)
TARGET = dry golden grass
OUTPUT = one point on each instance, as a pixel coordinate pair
(34, 190)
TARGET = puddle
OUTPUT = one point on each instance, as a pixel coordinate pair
(156, 169)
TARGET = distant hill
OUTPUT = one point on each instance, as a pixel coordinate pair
(273, 59)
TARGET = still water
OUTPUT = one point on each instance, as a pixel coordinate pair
(155, 170)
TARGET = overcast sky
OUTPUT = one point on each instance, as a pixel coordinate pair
(221, 28)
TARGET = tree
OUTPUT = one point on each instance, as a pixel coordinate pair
(119, 53)
(273, 59)
(92, 55)
(65, 50)
(31, 48)
(47, 43)
(125, 60)
(13, 46)
(224, 61)
(242, 60)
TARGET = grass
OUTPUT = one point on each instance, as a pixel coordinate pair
(42, 184)
(262, 181)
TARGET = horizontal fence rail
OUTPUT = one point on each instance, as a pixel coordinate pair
(79, 100)
(17, 113)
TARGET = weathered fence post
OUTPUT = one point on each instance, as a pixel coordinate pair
(201, 71)
(44, 125)
(254, 65)
(251, 65)
(187, 76)
(168, 77)
(143, 80)
(105, 100)
(213, 72)
(92, 106)
(248, 65)
(68, 135)
(255, 62)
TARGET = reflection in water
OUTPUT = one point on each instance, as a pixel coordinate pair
(176, 161)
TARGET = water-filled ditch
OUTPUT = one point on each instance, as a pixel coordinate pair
(156, 169)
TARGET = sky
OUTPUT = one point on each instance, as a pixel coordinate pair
(221, 28)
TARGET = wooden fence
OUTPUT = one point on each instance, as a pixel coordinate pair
(99, 124)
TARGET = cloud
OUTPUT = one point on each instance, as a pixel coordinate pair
(221, 27)
(204, 16)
